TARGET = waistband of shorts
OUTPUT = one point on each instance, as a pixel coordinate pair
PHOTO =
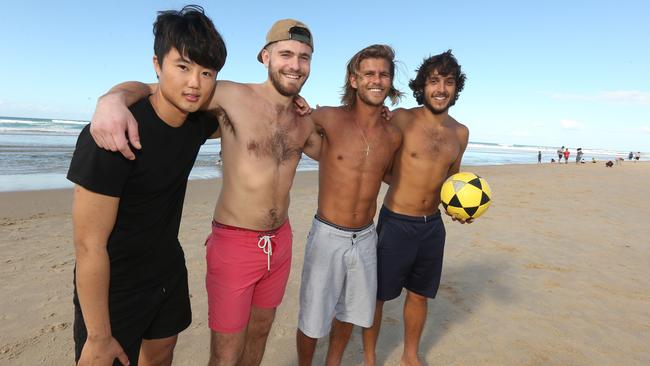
(218, 225)
(346, 230)
(424, 218)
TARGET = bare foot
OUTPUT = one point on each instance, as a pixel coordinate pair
(410, 361)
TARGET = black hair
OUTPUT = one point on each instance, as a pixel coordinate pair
(192, 33)
(446, 64)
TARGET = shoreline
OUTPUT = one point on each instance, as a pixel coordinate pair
(554, 273)
(61, 180)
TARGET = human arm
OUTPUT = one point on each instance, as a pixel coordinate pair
(314, 141)
(93, 217)
(463, 137)
(112, 121)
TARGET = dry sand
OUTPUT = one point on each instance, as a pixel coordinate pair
(556, 273)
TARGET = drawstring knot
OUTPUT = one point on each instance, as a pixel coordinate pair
(264, 243)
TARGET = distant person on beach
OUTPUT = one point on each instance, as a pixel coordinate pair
(220, 160)
(560, 154)
(539, 157)
(339, 277)
(579, 155)
(566, 155)
(411, 231)
(131, 295)
(630, 156)
(262, 138)
(637, 156)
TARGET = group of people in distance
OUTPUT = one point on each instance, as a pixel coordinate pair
(131, 293)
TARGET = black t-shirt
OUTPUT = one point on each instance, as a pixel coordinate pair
(143, 246)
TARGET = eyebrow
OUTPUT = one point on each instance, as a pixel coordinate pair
(183, 59)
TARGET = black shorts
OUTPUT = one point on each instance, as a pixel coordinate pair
(409, 254)
(159, 312)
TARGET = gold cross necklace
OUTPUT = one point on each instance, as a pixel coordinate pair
(364, 138)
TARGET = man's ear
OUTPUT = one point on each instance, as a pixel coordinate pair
(157, 66)
(266, 57)
(353, 80)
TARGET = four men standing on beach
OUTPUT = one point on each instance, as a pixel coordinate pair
(262, 140)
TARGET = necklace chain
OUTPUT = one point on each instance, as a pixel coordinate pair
(363, 135)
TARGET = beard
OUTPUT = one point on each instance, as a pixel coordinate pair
(365, 99)
(285, 90)
(434, 110)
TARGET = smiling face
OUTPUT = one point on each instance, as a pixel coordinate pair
(289, 64)
(184, 86)
(439, 92)
(372, 81)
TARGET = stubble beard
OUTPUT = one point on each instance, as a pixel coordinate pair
(364, 98)
(277, 84)
(438, 111)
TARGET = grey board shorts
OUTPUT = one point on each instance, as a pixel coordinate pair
(339, 277)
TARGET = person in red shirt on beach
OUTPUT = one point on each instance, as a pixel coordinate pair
(566, 155)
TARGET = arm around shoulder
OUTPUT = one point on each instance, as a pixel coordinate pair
(112, 120)
(314, 140)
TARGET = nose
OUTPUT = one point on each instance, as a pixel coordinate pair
(194, 80)
(294, 64)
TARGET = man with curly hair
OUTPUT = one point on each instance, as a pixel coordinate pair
(411, 231)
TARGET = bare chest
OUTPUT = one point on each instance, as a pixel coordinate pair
(431, 145)
(366, 149)
(264, 136)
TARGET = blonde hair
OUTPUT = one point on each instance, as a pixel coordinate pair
(348, 98)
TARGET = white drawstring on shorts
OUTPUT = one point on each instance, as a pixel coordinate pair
(266, 247)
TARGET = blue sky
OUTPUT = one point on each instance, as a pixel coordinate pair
(573, 73)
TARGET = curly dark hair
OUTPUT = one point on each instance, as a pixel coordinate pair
(192, 33)
(446, 64)
(348, 98)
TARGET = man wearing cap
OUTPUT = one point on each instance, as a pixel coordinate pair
(248, 252)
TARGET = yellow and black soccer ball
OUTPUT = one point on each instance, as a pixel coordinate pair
(465, 195)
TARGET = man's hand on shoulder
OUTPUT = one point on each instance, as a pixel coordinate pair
(302, 107)
(111, 123)
(386, 113)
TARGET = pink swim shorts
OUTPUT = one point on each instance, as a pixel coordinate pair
(245, 268)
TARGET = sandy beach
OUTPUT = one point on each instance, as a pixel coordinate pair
(556, 273)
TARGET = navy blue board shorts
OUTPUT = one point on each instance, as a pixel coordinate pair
(409, 254)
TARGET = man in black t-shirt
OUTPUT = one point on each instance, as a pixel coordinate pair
(131, 294)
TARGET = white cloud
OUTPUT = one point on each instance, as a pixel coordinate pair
(569, 124)
(619, 96)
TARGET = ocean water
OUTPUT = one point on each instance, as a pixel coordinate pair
(35, 154)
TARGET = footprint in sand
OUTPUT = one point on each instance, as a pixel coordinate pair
(548, 267)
